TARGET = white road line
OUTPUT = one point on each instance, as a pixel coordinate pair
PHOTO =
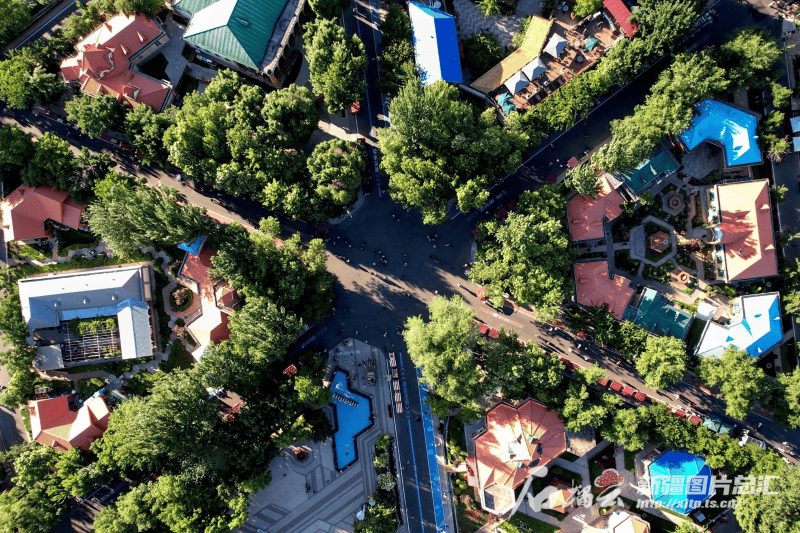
(45, 24)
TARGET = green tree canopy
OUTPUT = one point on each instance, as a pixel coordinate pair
(292, 275)
(308, 384)
(442, 348)
(738, 377)
(335, 63)
(95, 115)
(290, 116)
(663, 361)
(519, 371)
(24, 82)
(329, 9)
(148, 7)
(144, 130)
(777, 512)
(53, 163)
(750, 57)
(397, 55)
(260, 336)
(587, 7)
(147, 216)
(437, 149)
(336, 168)
(14, 17)
(528, 254)
(583, 180)
(16, 146)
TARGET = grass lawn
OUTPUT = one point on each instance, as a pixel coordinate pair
(75, 240)
(20, 250)
(470, 520)
(594, 472)
(519, 520)
(630, 460)
(695, 332)
(657, 524)
(87, 387)
(179, 357)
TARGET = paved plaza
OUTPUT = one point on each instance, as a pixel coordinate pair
(312, 496)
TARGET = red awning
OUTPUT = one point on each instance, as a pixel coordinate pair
(550, 178)
(484, 329)
(628, 391)
(572, 163)
(694, 420)
(603, 382)
(680, 414)
(493, 333)
(640, 396)
(616, 386)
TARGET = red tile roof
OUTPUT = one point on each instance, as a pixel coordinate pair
(196, 267)
(585, 214)
(27, 208)
(621, 14)
(54, 424)
(103, 65)
(517, 436)
(594, 288)
(746, 224)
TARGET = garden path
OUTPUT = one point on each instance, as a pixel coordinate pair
(470, 20)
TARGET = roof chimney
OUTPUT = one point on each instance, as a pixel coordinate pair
(139, 34)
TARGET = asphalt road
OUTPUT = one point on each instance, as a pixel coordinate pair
(373, 300)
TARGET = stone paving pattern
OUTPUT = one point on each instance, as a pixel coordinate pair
(470, 20)
(334, 497)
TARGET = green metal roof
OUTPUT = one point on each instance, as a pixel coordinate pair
(238, 30)
(660, 163)
(193, 6)
(658, 315)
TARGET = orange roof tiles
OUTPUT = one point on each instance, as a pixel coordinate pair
(585, 214)
(517, 441)
(196, 267)
(746, 230)
(212, 324)
(594, 287)
(54, 424)
(26, 209)
(103, 65)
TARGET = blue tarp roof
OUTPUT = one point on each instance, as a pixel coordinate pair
(435, 44)
(193, 247)
(757, 332)
(680, 481)
(734, 128)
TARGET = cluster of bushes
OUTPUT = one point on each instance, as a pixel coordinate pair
(381, 517)
(80, 327)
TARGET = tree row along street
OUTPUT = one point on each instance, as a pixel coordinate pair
(373, 299)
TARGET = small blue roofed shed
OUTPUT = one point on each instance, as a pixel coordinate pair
(680, 481)
(193, 247)
(435, 44)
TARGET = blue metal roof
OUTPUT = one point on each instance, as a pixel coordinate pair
(193, 247)
(758, 330)
(435, 44)
(680, 481)
(734, 128)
